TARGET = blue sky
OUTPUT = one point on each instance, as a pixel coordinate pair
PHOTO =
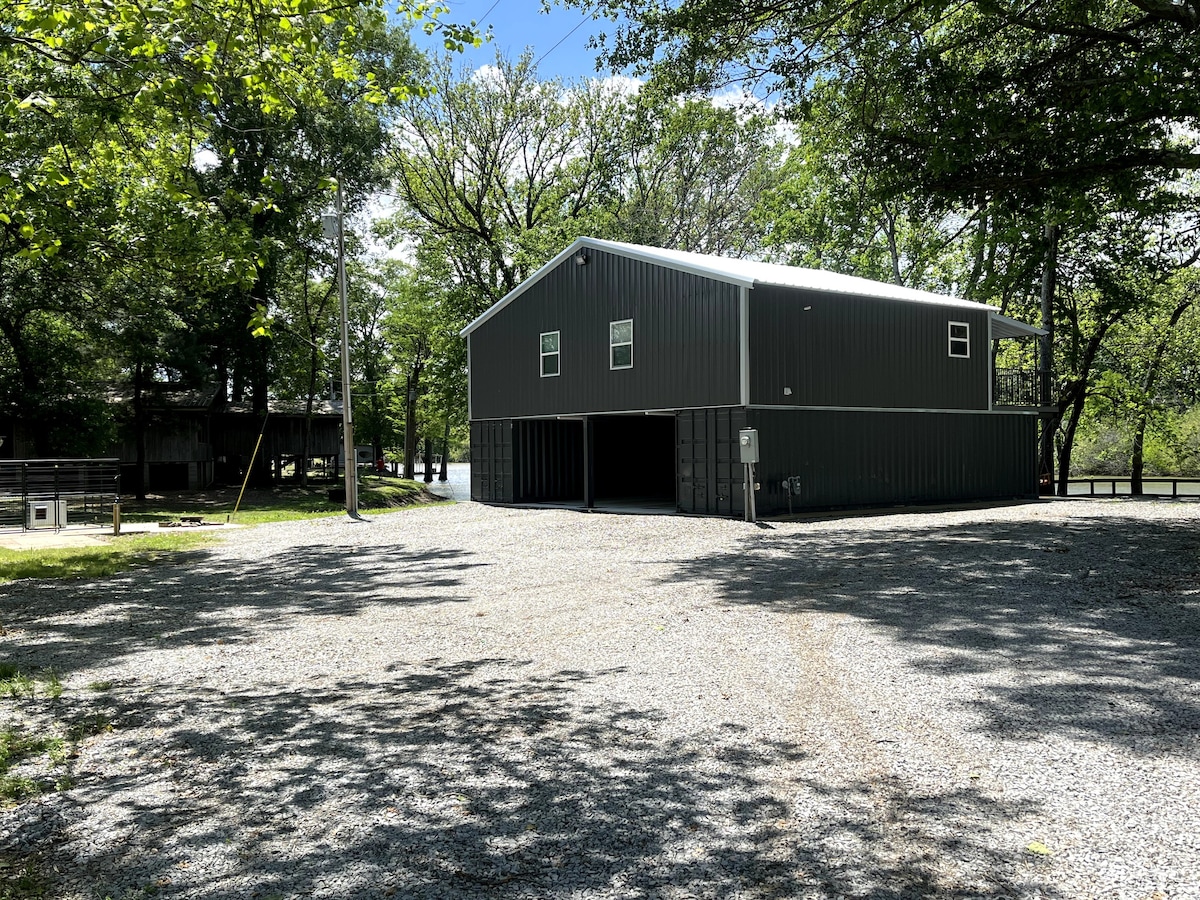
(520, 23)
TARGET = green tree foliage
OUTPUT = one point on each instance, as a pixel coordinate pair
(969, 100)
(160, 161)
(501, 170)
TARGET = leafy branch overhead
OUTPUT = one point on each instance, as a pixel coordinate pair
(969, 100)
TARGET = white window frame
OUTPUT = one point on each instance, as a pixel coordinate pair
(556, 352)
(963, 343)
(613, 345)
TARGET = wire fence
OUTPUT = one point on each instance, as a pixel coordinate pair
(54, 493)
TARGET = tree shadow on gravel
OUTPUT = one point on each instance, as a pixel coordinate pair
(483, 779)
(1099, 618)
(206, 600)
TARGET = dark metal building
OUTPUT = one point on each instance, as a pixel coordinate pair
(619, 374)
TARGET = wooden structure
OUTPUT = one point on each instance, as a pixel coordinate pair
(193, 440)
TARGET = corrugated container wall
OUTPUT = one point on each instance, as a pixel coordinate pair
(851, 458)
(492, 461)
(709, 471)
(843, 351)
(685, 343)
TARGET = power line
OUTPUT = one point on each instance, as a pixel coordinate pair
(489, 12)
(586, 18)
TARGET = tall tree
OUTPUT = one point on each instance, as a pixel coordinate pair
(105, 103)
(970, 99)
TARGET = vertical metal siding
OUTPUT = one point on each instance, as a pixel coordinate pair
(685, 343)
(848, 351)
(709, 467)
(853, 458)
(492, 461)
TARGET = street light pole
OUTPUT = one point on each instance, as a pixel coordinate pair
(347, 417)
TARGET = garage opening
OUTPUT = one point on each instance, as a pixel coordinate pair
(548, 456)
(634, 461)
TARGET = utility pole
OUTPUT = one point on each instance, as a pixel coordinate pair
(335, 223)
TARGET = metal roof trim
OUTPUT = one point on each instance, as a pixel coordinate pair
(1004, 327)
(750, 272)
(744, 273)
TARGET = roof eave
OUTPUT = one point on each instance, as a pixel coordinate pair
(1016, 328)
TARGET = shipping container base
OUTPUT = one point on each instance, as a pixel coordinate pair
(811, 460)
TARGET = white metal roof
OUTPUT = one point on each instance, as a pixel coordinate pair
(748, 273)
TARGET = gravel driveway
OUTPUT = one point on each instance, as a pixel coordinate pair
(464, 701)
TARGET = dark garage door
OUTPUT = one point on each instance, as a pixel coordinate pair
(634, 459)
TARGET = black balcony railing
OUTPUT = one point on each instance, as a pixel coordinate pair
(1021, 387)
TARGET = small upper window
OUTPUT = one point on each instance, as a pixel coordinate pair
(549, 353)
(960, 340)
(620, 344)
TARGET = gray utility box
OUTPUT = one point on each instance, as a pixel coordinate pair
(46, 514)
(748, 445)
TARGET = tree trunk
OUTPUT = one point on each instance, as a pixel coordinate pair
(428, 460)
(1137, 461)
(1068, 440)
(893, 248)
(410, 422)
(1046, 363)
(444, 474)
(306, 439)
(1074, 396)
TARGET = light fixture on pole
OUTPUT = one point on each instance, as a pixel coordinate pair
(333, 225)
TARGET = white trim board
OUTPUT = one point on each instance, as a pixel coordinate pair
(1004, 411)
(670, 410)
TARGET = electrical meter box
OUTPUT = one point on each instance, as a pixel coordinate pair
(748, 444)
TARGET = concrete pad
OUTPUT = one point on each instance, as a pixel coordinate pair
(92, 535)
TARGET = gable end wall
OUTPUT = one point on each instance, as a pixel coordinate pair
(685, 343)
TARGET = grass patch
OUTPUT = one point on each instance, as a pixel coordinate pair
(117, 555)
(133, 550)
(15, 748)
(16, 684)
(43, 758)
(281, 504)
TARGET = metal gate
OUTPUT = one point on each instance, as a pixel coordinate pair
(710, 471)
(492, 461)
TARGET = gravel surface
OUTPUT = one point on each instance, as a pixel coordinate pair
(464, 701)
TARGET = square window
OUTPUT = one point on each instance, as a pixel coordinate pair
(620, 344)
(549, 353)
(960, 340)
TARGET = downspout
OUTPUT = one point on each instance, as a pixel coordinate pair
(470, 391)
(744, 342)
